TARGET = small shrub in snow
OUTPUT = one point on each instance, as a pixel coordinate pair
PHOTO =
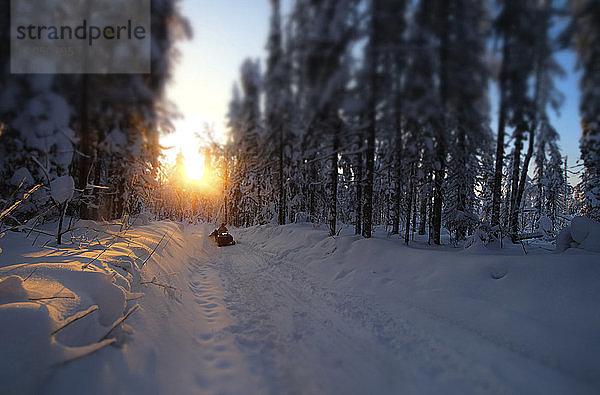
(477, 241)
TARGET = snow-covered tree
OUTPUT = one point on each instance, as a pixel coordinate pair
(390, 112)
(544, 95)
(278, 111)
(513, 29)
(468, 112)
(247, 136)
(586, 14)
(103, 129)
(420, 110)
(323, 33)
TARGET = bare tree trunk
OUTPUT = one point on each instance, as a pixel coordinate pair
(540, 200)
(523, 179)
(370, 170)
(409, 200)
(422, 214)
(442, 129)
(414, 210)
(430, 222)
(333, 179)
(398, 151)
(96, 192)
(514, 207)
(532, 128)
(311, 188)
(372, 122)
(436, 219)
(397, 194)
(497, 185)
(259, 205)
(282, 195)
(85, 162)
(225, 207)
(359, 197)
(63, 211)
(424, 200)
(461, 203)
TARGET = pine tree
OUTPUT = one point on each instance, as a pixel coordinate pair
(509, 26)
(394, 56)
(372, 60)
(586, 14)
(325, 31)
(421, 105)
(544, 92)
(469, 112)
(247, 146)
(105, 128)
(278, 109)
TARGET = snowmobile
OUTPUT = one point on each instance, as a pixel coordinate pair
(222, 238)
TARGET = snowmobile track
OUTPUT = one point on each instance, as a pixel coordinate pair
(299, 337)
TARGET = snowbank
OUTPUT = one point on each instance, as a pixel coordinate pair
(540, 306)
(211, 319)
(60, 303)
(582, 233)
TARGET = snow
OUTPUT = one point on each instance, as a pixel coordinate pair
(27, 349)
(114, 142)
(11, 289)
(579, 229)
(62, 189)
(22, 175)
(582, 233)
(302, 217)
(290, 310)
(61, 303)
(44, 124)
(545, 224)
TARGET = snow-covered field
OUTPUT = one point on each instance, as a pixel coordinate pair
(290, 310)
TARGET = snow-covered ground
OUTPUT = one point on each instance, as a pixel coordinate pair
(290, 310)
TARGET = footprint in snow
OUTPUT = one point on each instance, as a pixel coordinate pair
(498, 272)
(343, 274)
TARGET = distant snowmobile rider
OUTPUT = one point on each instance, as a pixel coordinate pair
(222, 228)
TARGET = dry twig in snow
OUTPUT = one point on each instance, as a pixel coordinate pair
(74, 318)
(120, 320)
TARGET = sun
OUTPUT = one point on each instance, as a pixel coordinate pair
(195, 176)
(194, 167)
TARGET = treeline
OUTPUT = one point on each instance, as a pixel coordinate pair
(100, 129)
(378, 112)
(182, 199)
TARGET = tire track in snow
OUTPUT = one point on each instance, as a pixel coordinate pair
(221, 369)
(406, 350)
(298, 343)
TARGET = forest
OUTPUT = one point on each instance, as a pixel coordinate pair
(379, 114)
(387, 208)
(367, 113)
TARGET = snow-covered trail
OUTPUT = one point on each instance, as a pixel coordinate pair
(297, 342)
(289, 310)
(291, 334)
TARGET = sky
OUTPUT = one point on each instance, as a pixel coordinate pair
(567, 122)
(228, 31)
(225, 33)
